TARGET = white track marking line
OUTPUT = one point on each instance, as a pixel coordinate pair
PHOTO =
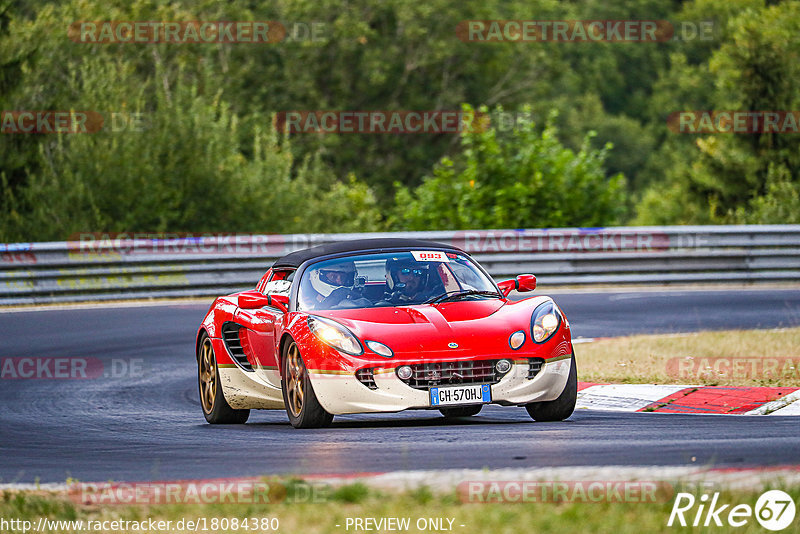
(624, 397)
(786, 405)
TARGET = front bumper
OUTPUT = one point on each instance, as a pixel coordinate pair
(342, 392)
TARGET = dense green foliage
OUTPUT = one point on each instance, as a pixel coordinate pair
(597, 152)
(735, 178)
(521, 179)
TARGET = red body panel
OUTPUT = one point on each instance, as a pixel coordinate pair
(261, 327)
(480, 328)
(249, 334)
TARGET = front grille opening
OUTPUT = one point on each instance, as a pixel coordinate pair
(426, 375)
(534, 366)
(230, 335)
(367, 377)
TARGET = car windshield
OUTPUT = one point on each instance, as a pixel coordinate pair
(392, 279)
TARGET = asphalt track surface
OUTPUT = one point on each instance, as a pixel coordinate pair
(150, 427)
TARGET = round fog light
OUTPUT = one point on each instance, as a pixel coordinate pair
(404, 372)
(503, 366)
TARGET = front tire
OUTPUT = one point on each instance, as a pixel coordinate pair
(562, 407)
(461, 411)
(302, 406)
(216, 409)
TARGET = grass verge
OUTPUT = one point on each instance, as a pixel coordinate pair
(725, 358)
(358, 501)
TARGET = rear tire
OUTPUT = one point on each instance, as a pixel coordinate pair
(461, 411)
(216, 409)
(562, 407)
(302, 406)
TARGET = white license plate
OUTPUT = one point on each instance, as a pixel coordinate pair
(448, 396)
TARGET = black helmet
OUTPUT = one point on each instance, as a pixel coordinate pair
(395, 265)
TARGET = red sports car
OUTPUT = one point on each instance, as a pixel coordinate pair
(383, 325)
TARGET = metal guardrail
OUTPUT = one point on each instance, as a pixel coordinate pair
(103, 267)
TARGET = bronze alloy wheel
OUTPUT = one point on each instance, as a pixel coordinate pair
(216, 409)
(295, 381)
(208, 376)
(302, 406)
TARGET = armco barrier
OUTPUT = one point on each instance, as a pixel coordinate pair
(101, 267)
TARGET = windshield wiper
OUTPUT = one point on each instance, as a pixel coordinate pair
(452, 295)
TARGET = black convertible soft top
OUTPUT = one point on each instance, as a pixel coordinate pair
(295, 259)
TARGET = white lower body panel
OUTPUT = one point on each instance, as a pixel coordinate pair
(344, 393)
(246, 390)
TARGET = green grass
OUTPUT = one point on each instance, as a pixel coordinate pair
(657, 359)
(359, 501)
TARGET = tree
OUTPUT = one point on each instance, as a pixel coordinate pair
(197, 165)
(728, 178)
(517, 179)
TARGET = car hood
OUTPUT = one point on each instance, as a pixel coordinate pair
(472, 325)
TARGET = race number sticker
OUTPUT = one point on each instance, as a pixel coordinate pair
(429, 255)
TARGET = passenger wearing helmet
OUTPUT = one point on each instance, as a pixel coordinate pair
(407, 280)
(333, 285)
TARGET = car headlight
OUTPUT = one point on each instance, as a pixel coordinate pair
(545, 321)
(380, 348)
(335, 335)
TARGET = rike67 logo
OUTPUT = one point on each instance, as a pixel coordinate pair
(774, 510)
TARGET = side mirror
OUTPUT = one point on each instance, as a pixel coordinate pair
(281, 302)
(251, 300)
(525, 282)
(507, 286)
(522, 283)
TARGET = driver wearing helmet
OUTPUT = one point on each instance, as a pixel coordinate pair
(334, 285)
(407, 280)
